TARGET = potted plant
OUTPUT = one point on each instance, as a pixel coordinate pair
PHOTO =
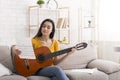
(40, 3)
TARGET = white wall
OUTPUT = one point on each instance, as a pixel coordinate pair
(109, 17)
(13, 20)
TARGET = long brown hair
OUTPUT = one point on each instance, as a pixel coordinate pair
(39, 34)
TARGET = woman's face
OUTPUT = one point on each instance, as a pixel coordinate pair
(46, 28)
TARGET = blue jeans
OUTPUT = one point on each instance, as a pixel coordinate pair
(53, 72)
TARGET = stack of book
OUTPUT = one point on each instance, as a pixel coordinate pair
(62, 23)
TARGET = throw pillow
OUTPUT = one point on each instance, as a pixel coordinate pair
(105, 66)
(79, 59)
(4, 70)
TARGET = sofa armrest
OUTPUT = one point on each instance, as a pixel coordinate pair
(104, 65)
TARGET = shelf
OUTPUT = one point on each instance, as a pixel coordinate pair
(88, 27)
(62, 29)
(32, 28)
(37, 6)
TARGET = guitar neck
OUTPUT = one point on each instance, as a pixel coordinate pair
(57, 53)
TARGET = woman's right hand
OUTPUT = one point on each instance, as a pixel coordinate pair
(16, 51)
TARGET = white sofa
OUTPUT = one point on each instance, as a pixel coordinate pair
(83, 65)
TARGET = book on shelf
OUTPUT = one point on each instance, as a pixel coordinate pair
(60, 23)
(65, 24)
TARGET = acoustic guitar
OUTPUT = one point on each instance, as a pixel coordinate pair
(44, 58)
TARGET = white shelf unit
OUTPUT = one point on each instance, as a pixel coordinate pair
(64, 31)
(88, 30)
(37, 15)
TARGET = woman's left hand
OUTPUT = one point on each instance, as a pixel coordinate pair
(72, 50)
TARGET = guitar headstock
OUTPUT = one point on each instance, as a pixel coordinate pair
(81, 46)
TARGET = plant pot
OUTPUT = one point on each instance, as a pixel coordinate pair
(42, 5)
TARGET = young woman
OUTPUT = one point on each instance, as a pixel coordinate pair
(44, 37)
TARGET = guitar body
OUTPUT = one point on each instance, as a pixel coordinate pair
(33, 64)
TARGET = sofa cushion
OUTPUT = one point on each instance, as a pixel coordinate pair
(114, 76)
(38, 78)
(4, 70)
(79, 59)
(105, 66)
(5, 57)
(81, 75)
(13, 77)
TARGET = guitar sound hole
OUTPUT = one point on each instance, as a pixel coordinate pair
(40, 58)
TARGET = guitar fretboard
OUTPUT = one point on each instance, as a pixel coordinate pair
(57, 53)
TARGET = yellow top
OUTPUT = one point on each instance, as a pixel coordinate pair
(37, 43)
(54, 46)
